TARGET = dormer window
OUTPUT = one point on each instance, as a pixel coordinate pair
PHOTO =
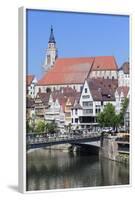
(85, 90)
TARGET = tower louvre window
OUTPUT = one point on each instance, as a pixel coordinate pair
(48, 59)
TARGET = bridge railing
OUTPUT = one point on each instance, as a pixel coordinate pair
(58, 139)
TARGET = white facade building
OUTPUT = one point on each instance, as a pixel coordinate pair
(77, 87)
(55, 113)
(123, 75)
(127, 119)
(31, 83)
(120, 95)
(95, 95)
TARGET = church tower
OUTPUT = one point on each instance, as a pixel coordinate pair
(51, 52)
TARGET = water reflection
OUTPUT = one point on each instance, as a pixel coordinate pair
(51, 169)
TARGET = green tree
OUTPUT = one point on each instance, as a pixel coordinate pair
(123, 110)
(40, 127)
(108, 117)
(51, 127)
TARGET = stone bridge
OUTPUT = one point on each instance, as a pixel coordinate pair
(42, 142)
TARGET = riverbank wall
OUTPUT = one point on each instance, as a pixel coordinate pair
(110, 150)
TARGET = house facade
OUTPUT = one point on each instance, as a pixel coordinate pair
(55, 113)
(95, 95)
(127, 119)
(30, 111)
(121, 93)
(31, 82)
(123, 75)
(41, 105)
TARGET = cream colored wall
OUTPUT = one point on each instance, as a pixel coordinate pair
(106, 74)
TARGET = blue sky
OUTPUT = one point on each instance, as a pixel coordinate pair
(76, 35)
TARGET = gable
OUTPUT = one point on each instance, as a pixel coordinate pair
(86, 94)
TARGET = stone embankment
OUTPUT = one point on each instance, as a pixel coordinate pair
(110, 149)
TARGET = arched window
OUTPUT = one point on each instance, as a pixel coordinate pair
(48, 59)
(48, 90)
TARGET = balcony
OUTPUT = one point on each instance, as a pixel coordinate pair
(87, 120)
(49, 117)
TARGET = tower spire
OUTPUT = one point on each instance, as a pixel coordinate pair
(51, 52)
(51, 38)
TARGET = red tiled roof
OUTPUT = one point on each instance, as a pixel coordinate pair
(123, 89)
(44, 97)
(102, 89)
(104, 63)
(76, 70)
(77, 106)
(29, 79)
(67, 71)
(30, 103)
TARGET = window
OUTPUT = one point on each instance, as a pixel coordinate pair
(72, 120)
(86, 96)
(88, 111)
(48, 90)
(76, 111)
(85, 90)
(97, 110)
(76, 120)
(87, 104)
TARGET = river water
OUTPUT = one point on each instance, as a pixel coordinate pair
(55, 169)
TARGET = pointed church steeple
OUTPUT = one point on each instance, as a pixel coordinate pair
(51, 52)
(51, 38)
